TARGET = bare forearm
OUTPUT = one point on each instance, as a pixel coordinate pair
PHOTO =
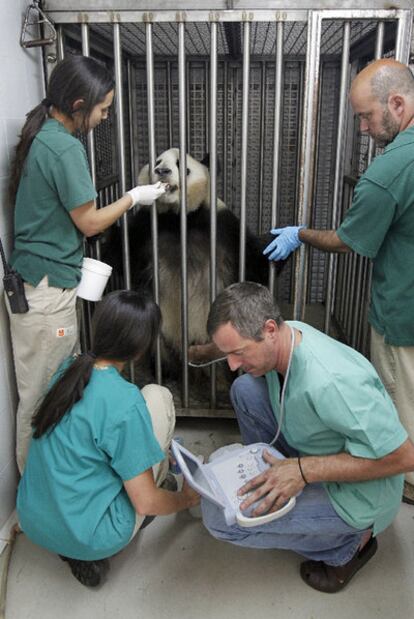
(327, 240)
(284, 478)
(164, 502)
(149, 500)
(101, 219)
(346, 468)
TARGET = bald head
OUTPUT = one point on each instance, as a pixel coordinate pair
(382, 95)
(383, 78)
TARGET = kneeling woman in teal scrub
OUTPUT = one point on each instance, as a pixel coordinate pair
(99, 451)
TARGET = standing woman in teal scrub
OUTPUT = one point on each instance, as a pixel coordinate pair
(55, 208)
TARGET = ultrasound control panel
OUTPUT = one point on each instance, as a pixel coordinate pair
(227, 470)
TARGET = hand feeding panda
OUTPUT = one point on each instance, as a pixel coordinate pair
(198, 250)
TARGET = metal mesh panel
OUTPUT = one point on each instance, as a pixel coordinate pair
(197, 109)
(290, 143)
(254, 145)
(267, 162)
(289, 161)
(263, 36)
(353, 271)
(362, 153)
(321, 215)
(261, 118)
(165, 38)
(105, 155)
(332, 34)
(229, 129)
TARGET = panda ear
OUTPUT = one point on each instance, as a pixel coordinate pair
(206, 161)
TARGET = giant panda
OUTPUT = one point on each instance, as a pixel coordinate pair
(167, 169)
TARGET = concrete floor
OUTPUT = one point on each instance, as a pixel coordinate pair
(175, 570)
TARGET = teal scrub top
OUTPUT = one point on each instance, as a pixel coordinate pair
(71, 499)
(55, 180)
(335, 402)
(380, 225)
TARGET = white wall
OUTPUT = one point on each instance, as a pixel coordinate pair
(21, 88)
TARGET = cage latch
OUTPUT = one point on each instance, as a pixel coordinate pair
(34, 19)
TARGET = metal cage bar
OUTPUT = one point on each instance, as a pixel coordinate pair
(307, 158)
(379, 45)
(90, 136)
(121, 149)
(262, 142)
(60, 43)
(213, 185)
(404, 33)
(339, 169)
(276, 140)
(131, 122)
(183, 208)
(245, 128)
(170, 107)
(152, 156)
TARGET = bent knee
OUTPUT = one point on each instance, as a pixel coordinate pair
(246, 387)
(160, 404)
(158, 397)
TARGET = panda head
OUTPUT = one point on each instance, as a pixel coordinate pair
(167, 169)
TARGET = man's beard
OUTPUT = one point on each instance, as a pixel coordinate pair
(390, 129)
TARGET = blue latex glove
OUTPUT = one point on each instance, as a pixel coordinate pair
(287, 241)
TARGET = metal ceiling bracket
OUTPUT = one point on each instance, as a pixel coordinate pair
(180, 17)
(247, 17)
(214, 16)
(36, 18)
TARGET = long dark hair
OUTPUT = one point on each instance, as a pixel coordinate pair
(125, 325)
(74, 78)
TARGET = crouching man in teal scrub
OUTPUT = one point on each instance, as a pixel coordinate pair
(346, 448)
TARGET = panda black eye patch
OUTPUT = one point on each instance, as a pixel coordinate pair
(158, 162)
(178, 166)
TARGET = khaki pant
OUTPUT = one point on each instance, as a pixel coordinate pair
(41, 339)
(395, 366)
(161, 408)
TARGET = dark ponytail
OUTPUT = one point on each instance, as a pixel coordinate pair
(33, 124)
(74, 78)
(63, 395)
(125, 326)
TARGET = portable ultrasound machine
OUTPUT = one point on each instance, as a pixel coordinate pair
(231, 467)
(219, 479)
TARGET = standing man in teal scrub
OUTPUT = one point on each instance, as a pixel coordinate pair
(380, 226)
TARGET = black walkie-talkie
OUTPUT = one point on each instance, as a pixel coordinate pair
(14, 287)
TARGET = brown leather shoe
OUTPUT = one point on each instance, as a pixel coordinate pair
(330, 579)
(408, 493)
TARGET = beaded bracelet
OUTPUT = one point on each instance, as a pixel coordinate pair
(301, 471)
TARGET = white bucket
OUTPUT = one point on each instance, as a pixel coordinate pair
(95, 275)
